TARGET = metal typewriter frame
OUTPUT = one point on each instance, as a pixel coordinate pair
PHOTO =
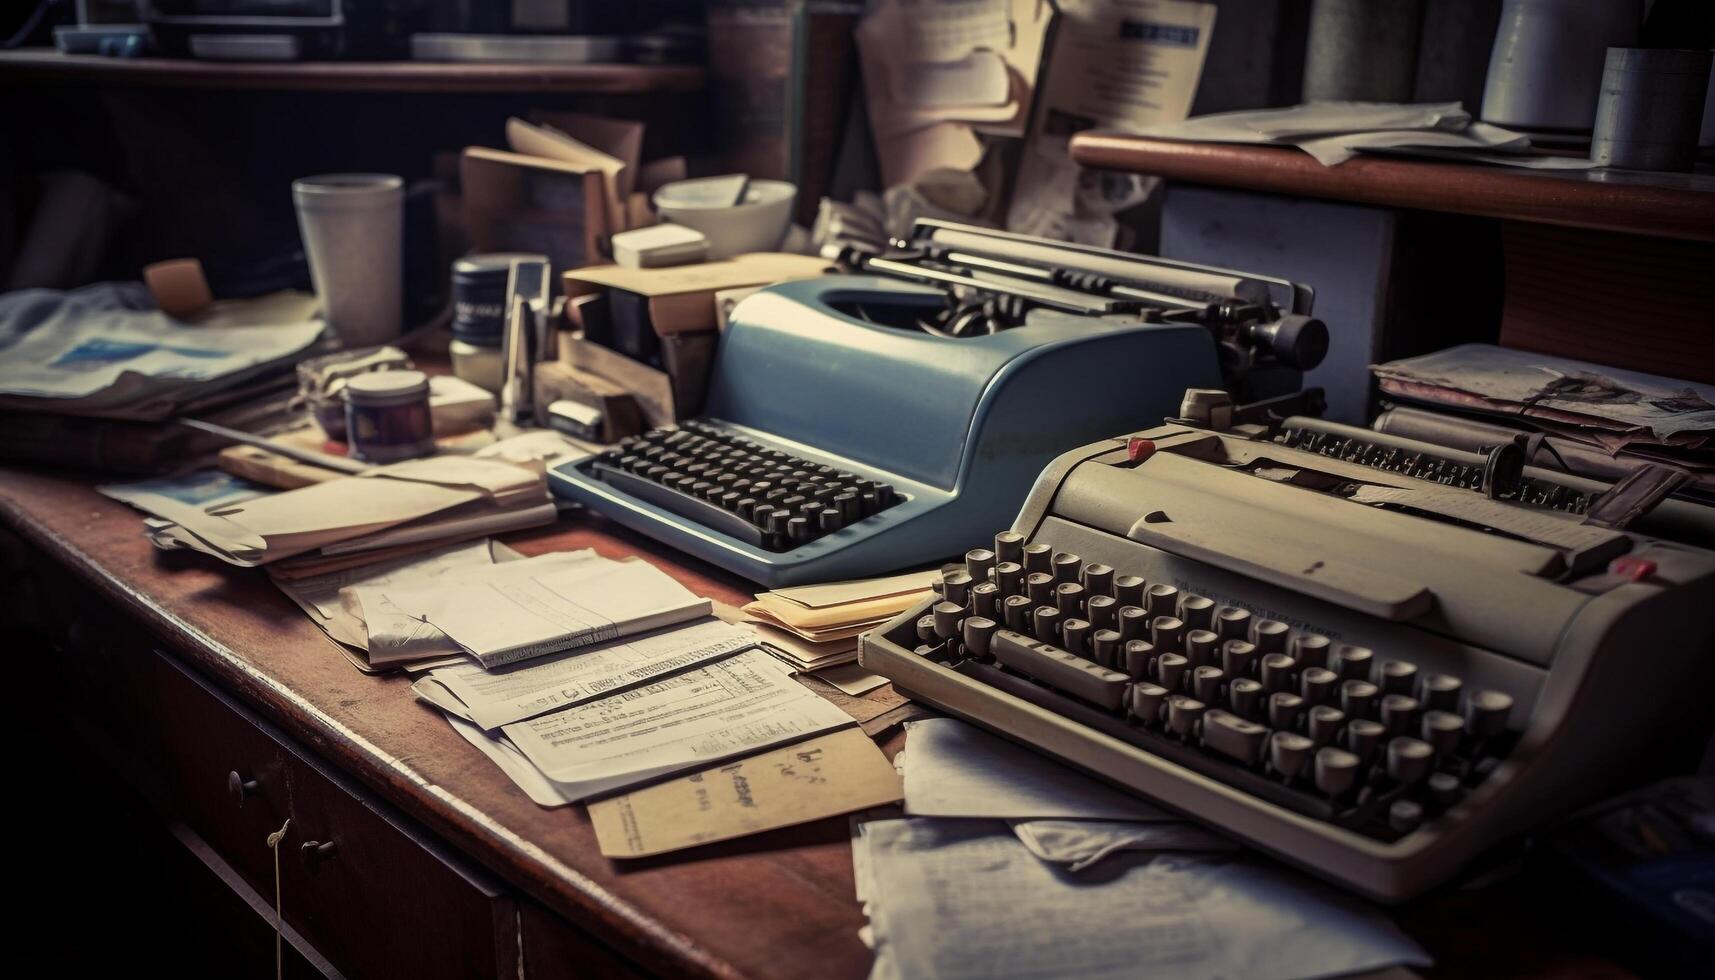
(1587, 716)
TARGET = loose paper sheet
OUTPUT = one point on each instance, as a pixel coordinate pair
(521, 610)
(202, 488)
(965, 899)
(504, 754)
(1080, 844)
(953, 769)
(492, 698)
(823, 777)
(852, 679)
(740, 705)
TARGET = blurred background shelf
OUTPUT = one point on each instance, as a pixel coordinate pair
(47, 65)
(1662, 205)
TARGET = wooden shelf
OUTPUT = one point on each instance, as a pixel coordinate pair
(50, 66)
(1680, 206)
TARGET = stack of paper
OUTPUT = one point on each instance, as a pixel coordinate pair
(831, 616)
(974, 897)
(513, 611)
(379, 640)
(965, 899)
(406, 504)
(1333, 132)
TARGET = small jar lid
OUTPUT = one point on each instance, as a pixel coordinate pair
(387, 387)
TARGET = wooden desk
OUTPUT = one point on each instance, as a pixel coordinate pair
(775, 905)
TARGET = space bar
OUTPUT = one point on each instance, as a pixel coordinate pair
(706, 514)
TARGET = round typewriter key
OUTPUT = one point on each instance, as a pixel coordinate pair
(1439, 692)
(1183, 713)
(729, 500)
(1098, 579)
(1016, 612)
(1009, 576)
(1103, 612)
(1197, 611)
(1270, 636)
(745, 508)
(1363, 737)
(1352, 662)
(1066, 568)
(1039, 557)
(870, 502)
(1309, 649)
(1289, 754)
(1237, 657)
(1040, 587)
(1442, 729)
(1317, 685)
(926, 628)
(1244, 696)
(1323, 724)
(1202, 648)
(1358, 698)
(1404, 816)
(1105, 647)
(956, 585)
(1206, 684)
(851, 508)
(1486, 713)
(1148, 703)
(1336, 771)
(1133, 623)
(985, 600)
(1443, 788)
(1170, 669)
(947, 616)
(1069, 598)
(1283, 710)
(978, 563)
(1167, 633)
(1408, 760)
(978, 631)
(1136, 656)
(1233, 623)
(1128, 590)
(1075, 637)
(777, 518)
(1161, 599)
(1399, 714)
(1277, 673)
(1009, 546)
(1047, 624)
(1396, 676)
(800, 529)
(829, 520)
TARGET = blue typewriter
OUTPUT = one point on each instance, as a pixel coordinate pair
(884, 419)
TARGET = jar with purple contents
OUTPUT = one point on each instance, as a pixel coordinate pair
(387, 416)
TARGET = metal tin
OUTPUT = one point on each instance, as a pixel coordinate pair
(387, 416)
(1651, 109)
(479, 296)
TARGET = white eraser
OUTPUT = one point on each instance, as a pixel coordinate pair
(659, 245)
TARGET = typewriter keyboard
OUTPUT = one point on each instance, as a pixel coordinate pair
(741, 488)
(1337, 732)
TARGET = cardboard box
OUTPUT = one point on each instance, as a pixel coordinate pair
(518, 203)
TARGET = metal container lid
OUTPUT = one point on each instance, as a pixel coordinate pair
(387, 388)
(483, 270)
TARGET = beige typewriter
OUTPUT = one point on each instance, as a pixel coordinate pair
(1369, 657)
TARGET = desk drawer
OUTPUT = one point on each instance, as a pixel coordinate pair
(359, 881)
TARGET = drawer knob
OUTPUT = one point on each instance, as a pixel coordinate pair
(240, 787)
(315, 852)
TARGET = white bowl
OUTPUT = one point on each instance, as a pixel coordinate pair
(756, 224)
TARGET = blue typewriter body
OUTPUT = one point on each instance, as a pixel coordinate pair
(958, 428)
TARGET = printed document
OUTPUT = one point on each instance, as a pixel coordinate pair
(492, 698)
(735, 707)
(519, 610)
(964, 899)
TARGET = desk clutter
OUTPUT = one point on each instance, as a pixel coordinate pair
(1112, 656)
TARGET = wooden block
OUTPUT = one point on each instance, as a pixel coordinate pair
(179, 288)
